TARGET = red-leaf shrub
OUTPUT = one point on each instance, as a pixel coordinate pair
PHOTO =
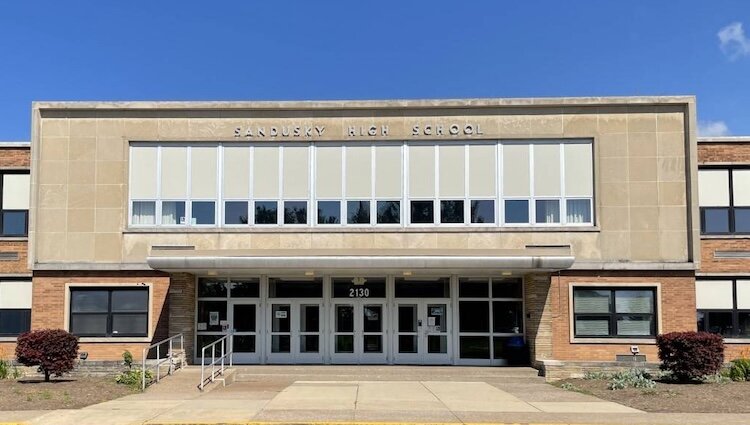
(53, 350)
(691, 355)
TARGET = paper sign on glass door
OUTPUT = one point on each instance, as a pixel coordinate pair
(430, 321)
(281, 314)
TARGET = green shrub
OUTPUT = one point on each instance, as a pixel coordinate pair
(739, 370)
(132, 378)
(127, 359)
(8, 371)
(596, 375)
(718, 378)
(634, 378)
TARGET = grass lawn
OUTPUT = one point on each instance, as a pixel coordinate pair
(667, 397)
(62, 393)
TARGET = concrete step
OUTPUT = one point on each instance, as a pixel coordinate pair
(386, 373)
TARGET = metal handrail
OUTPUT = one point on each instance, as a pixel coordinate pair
(226, 352)
(159, 360)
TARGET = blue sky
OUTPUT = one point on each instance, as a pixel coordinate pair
(228, 50)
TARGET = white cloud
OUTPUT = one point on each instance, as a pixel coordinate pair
(713, 129)
(733, 41)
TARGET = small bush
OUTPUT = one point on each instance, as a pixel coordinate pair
(54, 351)
(634, 378)
(596, 375)
(8, 371)
(133, 378)
(739, 370)
(718, 378)
(689, 356)
(127, 359)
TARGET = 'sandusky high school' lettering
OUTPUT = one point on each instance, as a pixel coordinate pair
(441, 130)
(283, 131)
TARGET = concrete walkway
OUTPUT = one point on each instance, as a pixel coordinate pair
(306, 394)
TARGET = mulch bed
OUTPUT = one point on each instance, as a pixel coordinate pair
(733, 397)
(62, 393)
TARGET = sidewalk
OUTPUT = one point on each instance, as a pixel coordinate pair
(299, 395)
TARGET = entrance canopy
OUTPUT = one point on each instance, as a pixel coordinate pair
(360, 261)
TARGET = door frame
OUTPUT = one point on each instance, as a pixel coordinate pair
(294, 356)
(358, 356)
(246, 358)
(422, 356)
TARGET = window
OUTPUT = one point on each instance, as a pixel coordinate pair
(329, 212)
(490, 319)
(235, 213)
(358, 212)
(15, 307)
(724, 197)
(451, 211)
(620, 312)
(422, 212)
(723, 307)
(452, 183)
(295, 212)
(266, 212)
(14, 203)
(109, 312)
(389, 212)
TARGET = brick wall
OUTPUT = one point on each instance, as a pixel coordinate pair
(15, 157)
(539, 315)
(677, 311)
(724, 152)
(48, 310)
(710, 264)
(182, 309)
(11, 266)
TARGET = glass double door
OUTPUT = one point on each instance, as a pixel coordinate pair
(295, 331)
(358, 331)
(422, 331)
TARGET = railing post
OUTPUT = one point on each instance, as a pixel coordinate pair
(158, 357)
(143, 370)
(171, 356)
(213, 361)
(223, 354)
(203, 364)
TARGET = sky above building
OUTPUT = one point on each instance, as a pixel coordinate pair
(282, 50)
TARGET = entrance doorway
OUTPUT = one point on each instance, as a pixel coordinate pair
(423, 321)
(359, 321)
(244, 317)
(295, 310)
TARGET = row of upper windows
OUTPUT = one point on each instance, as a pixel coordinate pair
(548, 182)
(724, 198)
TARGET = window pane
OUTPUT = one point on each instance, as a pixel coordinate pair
(517, 211)
(144, 212)
(88, 324)
(244, 317)
(344, 318)
(578, 211)
(329, 212)
(212, 288)
(249, 288)
(744, 324)
(451, 211)
(482, 211)
(389, 212)
(742, 219)
(210, 315)
(438, 288)
(627, 301)
(14, 321)
(474, 347)
(720, 322)
(507, 288)
(547, 211)
(203, 212)
(89, 301)
(474, 316)
(295, 212)
(372, 317)
(266, 212)
(130, 324)
(592, 301)
(173, 212)
(281, 315)
(507, 317)
(592, 326)
(473, 288)
(130, 300)
(235, 212)
(295, 289)
(634, 325)
(716, 220)
(358, 212)
(422, 212)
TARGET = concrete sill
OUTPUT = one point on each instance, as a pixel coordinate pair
(8, 339)
(14, 238)
(737, 341)
(630, 341)
(369, 229)
(114, 339)
(725, 236)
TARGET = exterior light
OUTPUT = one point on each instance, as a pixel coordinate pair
(309, 273)
(212, 273)
(407, 273)
(507, 273)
